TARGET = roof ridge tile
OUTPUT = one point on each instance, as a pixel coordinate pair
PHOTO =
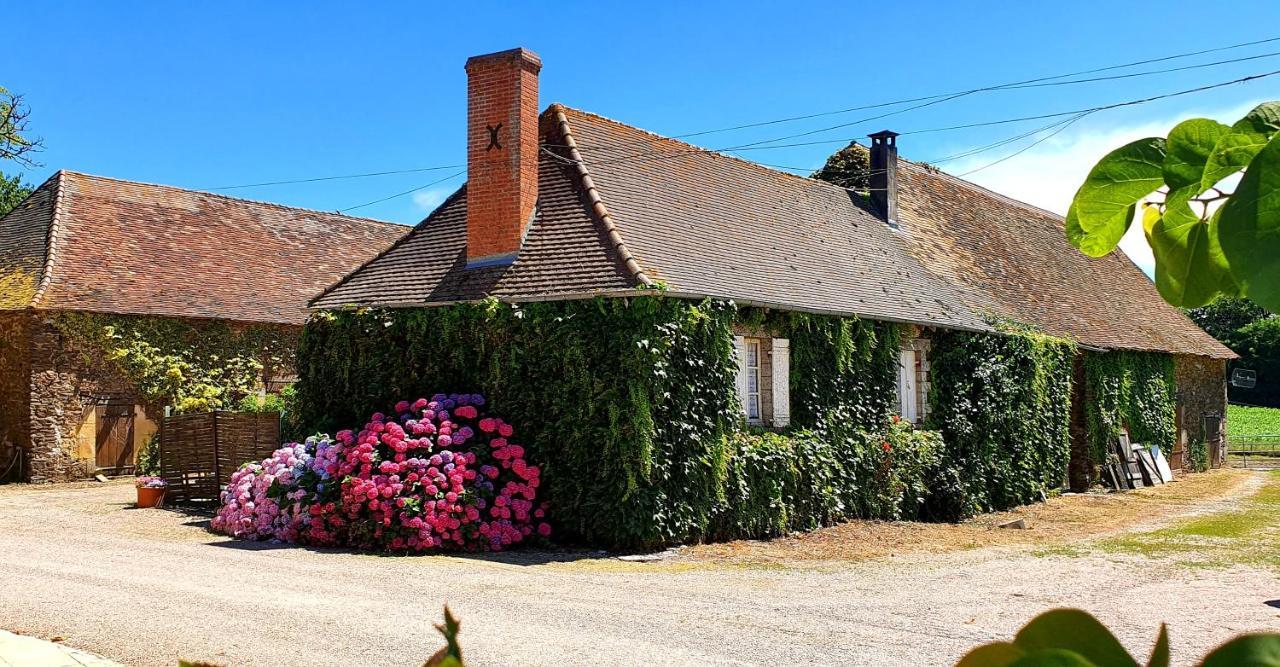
(598, 206)
(255, 202)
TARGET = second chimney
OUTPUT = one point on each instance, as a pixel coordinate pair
(883, 181)
(502, 153)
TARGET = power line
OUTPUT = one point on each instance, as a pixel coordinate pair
(651, 155)
(1026, 148)
(401, 194)
(764, 143)
(333, 178)
(941, 97)
(933, 162)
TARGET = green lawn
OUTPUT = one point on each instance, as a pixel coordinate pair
(1243, 422)
(1245, 535)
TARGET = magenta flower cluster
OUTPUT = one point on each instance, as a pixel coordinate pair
(436, 475)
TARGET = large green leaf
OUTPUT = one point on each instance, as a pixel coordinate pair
(1160, 654)
(995, 654)
(1249, 229)
(1075, 631)
(1189, 145)
(1261, 650)
(1191, 270)
(1237, 148)
(1104, 204)
(1054, 657)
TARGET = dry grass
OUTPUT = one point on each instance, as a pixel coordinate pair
(1058, 523)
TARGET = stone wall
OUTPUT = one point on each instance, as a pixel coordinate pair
(1202, 390)
(66, 385)
(15, 405)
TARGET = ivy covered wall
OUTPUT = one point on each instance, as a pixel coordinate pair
(77, 359)
(630, 406)
(15, 391)
(627, 404)
(1121, 388)
(1003, 404)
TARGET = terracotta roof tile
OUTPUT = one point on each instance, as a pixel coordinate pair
(134, 248)
(706, 224)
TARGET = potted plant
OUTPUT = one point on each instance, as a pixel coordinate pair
(150, 490)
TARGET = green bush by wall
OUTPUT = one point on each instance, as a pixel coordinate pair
(1134, 389)
(1003, 405)
(804, 480)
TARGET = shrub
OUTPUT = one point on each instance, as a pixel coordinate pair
(1198, 455)
(436, 476)
(149, 456)
(777, 483)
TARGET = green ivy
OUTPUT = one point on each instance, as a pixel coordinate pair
(780, 483)
(1003, 404)
(1198, 455)
(628, 404)
(844, 370)
(193, 366)
(1133, 389)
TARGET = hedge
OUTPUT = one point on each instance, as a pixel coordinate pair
(1003, 404)
(804, 480)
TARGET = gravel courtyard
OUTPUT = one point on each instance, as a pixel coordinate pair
(148, 586)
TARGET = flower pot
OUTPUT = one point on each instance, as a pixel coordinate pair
(150, 497)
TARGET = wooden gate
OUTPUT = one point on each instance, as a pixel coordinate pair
(199, 452)
(113, 444)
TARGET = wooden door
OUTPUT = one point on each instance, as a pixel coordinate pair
(114, 444)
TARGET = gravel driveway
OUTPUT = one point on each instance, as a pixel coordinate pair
(147, 586)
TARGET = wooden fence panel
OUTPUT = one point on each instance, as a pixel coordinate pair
(199, 452)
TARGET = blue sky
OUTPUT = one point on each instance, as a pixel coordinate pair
(204, 95)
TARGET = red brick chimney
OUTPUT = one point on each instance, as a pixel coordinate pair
(502, 153)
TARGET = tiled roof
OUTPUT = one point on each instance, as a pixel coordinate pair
(1013, 259)
(705, 224)
(105, 245)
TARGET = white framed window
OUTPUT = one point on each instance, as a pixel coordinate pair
(908, 404)
(752, 365)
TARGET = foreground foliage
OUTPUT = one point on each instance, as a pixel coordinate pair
(1202, 250)
(1073, 638)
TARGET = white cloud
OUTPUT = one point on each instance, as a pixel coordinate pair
(1049, 174)
(428, 200)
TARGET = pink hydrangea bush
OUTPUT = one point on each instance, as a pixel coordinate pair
(434, 475)
(249, 507)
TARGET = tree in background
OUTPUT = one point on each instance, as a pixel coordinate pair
(15, 144)
(12, 192)
(1254, 334)
(1207, 241)
(849, 167)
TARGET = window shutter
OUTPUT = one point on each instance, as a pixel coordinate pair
(740, 350)
(781, 382)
